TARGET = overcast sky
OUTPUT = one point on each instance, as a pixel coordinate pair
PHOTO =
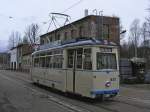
(25, 12)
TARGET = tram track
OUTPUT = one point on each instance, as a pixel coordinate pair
(79, 106)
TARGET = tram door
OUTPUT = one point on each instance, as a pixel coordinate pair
(73, 62)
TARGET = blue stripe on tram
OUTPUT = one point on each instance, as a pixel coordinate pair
(105, 91)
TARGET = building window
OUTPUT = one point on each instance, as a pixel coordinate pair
(42, 41)
(11, 65)
(106, 31)
(15, 65)
(57, 37)
(81, 31)
(73, 33)
(50, 38)
(46, 39)
(65, 36)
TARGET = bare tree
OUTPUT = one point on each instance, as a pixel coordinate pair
(14, 39)
(32, 33)
(124, 50)
(25, 40)
(134, 34)
(147, 22)
(11, 41)
(144, 37)
(18, 38)
(144, 31)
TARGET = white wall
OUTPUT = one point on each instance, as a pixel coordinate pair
(13, 57)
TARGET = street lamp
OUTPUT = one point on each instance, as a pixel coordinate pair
(122, 32)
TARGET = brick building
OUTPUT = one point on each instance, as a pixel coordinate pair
(27, 50)
(17, 56)
(23, 50)
(4, 60)
(89, 26)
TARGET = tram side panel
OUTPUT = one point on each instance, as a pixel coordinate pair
(83, 82)
(38, 75)
(56, 78)
(69, 80)
(50, 77)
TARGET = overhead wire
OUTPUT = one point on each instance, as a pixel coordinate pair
(70, 7)
(75, 4)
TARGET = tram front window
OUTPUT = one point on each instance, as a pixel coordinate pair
(106, 61)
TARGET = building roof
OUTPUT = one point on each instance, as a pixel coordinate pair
(22, 44)
(19, 45)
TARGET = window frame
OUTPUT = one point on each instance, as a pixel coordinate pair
(112, 54)
(82, 61)
(49, 54)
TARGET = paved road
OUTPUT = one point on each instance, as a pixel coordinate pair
(18, 94)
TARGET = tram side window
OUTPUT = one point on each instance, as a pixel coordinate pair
(36, 62)
(70, 59)
(59, 64)
(57, 61)
(47, 63)
(49, 53)
(51, 62)
(87, 59)
(42, 62)
(42, 54)
(79, 58)
(60, 61)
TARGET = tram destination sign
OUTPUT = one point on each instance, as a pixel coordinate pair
(105, 49)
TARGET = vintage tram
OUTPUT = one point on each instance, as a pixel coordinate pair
(87, 67)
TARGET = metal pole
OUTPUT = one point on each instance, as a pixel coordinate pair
(95, 11)
(101, 14)
(135, 47)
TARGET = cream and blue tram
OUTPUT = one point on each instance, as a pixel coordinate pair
(87, 67)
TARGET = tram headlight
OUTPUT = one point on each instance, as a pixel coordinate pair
(107, 84)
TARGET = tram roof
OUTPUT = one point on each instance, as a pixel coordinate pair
(76, 42)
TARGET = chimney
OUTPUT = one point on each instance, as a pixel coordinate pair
(86, 12)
